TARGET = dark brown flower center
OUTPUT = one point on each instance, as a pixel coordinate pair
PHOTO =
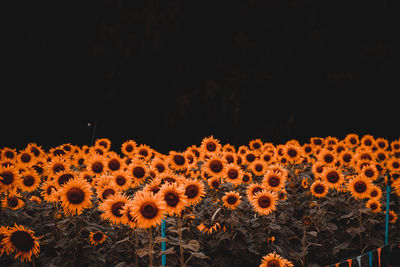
(172, 199)
(9, 154)
(50, 189)
(258, 167)
(256, 145)
(129, 148)
(97, 167)
(192, 191)
(246, 178)
(273, 263)
(328, 158)
(369, 173)
(215, 184)
(179, 160)
(22, 240)
(28, 180)
(160, 167)
(58, 167)
(292, 153)
(25, 157)
(108, 192)
(360, 187)
(98, 236)
(75, 195)
(8, 177)
(250, 157)
(120, 180)
(216, 166)
(367, 142)
(319, 189)
(211, 146)
(143, 152)
(256, 190)
(233, 174)
(374, 193)
(346, 157)
(114, 164)
(116, 208)
(353, 141)
(264, 202)
(395, 165)
(229, 158)
(149, 210)
(274, 181)
(373, 206)
(63, 179)
(12, 202)
(231, 200)
(332, 177)
(138, 172)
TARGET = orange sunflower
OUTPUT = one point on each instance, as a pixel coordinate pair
(9, 178)
(374, 205)
(75, 196)
(122, 180)
(273, 180)
(194, 191)
(393, 164)
(8, 153)
(96, 164)
(177, 161)
(214, 182)
(392, 216)
(256, 144)
(26, 158)
(231, 199)
(381, 143)
(114, 162)
(293, 153)
(210, 145)
(159, 165)
(352, 140)
(367, 141)
(13, 201)
(250, 156)
(105, 143)
(333, 177)
(395, 145)
(327, 157)
(112, 208)
(138, 170)
(63, 177)
(154, 186)
(147, 209)
(272, 260)
(22, 242)
(96, 238)
(319, 189)
(258, 167)
(359, 187)
(174, 197)
(49, 191)
(128, 148)
(233, 174)
(264, 202)
(144, 152)
(127, 218)
(346, 157)
(252, 190)
(370, 171)
(396, 186)
(215, 166)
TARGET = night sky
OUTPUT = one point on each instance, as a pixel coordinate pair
(168, 73)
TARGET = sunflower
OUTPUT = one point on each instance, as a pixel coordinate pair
(8, 153)
(395, 145)
(57, 151)
(370, 171)
(319, 189)
(246, 178)
(249, 157)
(159, 165)
(293, 153)
(79, 160)
(138, 170)
(252, 190)
(258, 167)
(374, 205)
(375, 193)
(392, 216)
(174, 197)
(75, 196)
(367, 141)
(3, 234)
(333, 177)
(147, 209)
(359, 187)
(393, 164)
(49, 191)
(194, 191)
(214, 182)
(233, 174)
(112, 208)
(97, 150)
(169, 177)
(304, 183)
(127, 218)
(96, 238)
(228, 148)
(121, 180)
(231, 199)
(106, 191)
(25, 157)
(264, 202)
(326, 157)
(103, 142)
(352, 140)
(9, 178)
(256, 144)
(55, 165)
(381, 155)
(273, 180)
(22, 241)
(144, 152)
(381, 143)
(177, 161)
(279, 168)
(63, 177)
(346, 157)
(96, 164)
(114, 162)
(267, 157)
(36, 199)
(210, 145)
(13, 201)
(317, 141)
(230, 157)
(396, 186)
(153, 186)
(364, 154)
(128, 148)
(307, 149)
(215, 166)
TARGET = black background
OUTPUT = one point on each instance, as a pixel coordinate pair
(168, 73)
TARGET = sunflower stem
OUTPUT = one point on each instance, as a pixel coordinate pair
(181, 255)
(151, 247)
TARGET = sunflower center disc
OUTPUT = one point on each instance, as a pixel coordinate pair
(216, 166)
(75, 195)
(360, 187)
(149, 211)
(264, 202)
(191, 191)
(171, 199)
(22, 240)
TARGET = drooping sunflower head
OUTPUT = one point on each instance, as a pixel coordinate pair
(359, 187)
(22, 242)
(194, 191)
(147, 209)
(231, 199)
(49, 191)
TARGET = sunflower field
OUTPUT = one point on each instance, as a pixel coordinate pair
(214, 204)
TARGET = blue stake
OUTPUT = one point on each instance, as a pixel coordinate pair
(163, 246)
(387, 214)
(370, 258)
